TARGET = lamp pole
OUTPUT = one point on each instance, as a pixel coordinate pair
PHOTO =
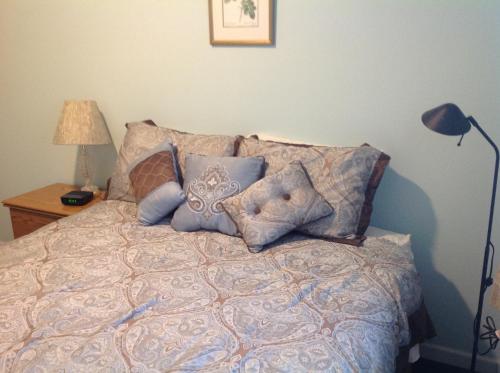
(486, 279)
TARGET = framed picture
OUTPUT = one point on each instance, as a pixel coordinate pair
(241, 22)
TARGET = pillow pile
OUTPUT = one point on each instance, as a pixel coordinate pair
(321, 191)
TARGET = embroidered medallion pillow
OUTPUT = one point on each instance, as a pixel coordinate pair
(146, 135)
(154, 179)
(276, 205)
(346, 177)
(208, 181)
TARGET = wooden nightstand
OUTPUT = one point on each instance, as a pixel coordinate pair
(33, 210)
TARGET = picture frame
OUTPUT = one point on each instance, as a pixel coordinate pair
(241, 22)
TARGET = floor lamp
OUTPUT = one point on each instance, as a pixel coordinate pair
(448, 119)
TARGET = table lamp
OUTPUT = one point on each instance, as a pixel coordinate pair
(448, 119)
(81, 123)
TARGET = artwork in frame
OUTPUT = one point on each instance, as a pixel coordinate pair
(241, 22)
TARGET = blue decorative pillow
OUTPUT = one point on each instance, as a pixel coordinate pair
(276, 205)
(207, 182)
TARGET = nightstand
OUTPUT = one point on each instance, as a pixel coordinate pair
(37, 208)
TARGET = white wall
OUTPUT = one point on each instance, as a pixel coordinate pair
(342, 72)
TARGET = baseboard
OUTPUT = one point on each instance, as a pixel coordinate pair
(457, 358)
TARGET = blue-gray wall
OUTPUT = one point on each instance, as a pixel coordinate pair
(342, 72)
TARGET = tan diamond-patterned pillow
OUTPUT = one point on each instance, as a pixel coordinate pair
(152, 172)
(155, 183)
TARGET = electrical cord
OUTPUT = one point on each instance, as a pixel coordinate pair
(490, 335)
(491, 331)
(490, 327)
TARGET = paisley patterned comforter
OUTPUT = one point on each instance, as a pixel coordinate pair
(98, 292)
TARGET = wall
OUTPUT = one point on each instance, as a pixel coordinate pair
(342, 72)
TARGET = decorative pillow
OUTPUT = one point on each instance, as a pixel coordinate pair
(346, 177)
(208, 181)
(143, 136)
(217, 145)
(156, 188)
(276, 205)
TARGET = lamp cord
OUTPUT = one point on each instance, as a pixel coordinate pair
(490, 335)
(487, 283)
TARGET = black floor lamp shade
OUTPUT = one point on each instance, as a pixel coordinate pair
(447, 119)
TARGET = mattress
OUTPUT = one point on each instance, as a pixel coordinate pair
(99, 292)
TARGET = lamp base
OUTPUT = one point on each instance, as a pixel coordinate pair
(90, 188)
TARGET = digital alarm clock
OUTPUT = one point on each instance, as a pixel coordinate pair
(77, 198)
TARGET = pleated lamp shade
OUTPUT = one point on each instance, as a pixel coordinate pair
(81, 123)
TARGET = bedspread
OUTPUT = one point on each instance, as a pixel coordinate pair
(99, 292)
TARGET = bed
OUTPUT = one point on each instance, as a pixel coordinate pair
(97, 291)
(217, 254)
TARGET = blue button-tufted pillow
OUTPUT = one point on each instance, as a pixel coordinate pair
(276, 205)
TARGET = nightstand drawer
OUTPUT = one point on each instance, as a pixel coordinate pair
(24, 222)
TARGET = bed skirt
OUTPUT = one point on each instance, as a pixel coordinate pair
(422, 329)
